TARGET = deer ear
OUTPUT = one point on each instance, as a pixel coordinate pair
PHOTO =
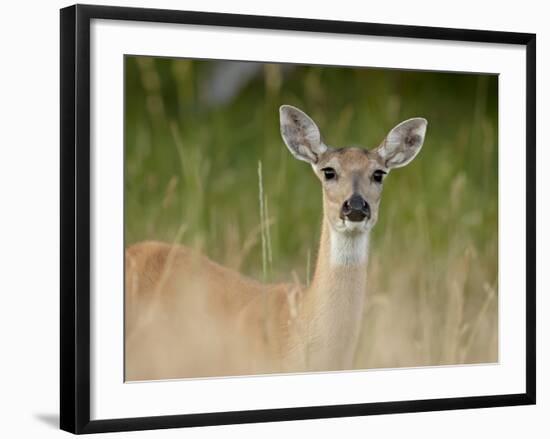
(403, 142)
(301, 135)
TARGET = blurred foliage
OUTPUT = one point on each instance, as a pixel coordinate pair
(191, 163)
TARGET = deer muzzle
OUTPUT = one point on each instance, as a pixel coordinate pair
(355, 209)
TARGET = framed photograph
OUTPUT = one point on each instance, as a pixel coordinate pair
(268, 218)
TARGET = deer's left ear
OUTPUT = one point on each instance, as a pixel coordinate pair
(403, 142)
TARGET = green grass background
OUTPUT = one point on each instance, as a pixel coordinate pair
(191, 176)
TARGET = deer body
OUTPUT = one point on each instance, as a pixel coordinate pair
(187, 316)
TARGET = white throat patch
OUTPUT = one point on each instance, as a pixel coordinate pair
(348, 249)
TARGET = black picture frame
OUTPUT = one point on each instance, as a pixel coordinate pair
(75, 217)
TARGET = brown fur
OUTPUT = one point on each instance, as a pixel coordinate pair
(201, 315)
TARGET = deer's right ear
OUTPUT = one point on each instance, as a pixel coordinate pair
(301, 135)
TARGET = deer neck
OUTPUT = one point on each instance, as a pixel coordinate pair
(334, 301)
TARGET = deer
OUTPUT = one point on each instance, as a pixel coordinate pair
(187, 316)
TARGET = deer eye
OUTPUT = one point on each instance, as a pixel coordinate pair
(378, 175)
(330, 173)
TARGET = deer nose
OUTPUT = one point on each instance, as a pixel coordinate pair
(355, 208)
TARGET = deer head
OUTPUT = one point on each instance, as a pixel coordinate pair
(352, 178)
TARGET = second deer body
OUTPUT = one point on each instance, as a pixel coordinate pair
(187, 316)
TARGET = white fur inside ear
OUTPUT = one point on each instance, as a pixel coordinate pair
(403, 142)
(300, 134)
